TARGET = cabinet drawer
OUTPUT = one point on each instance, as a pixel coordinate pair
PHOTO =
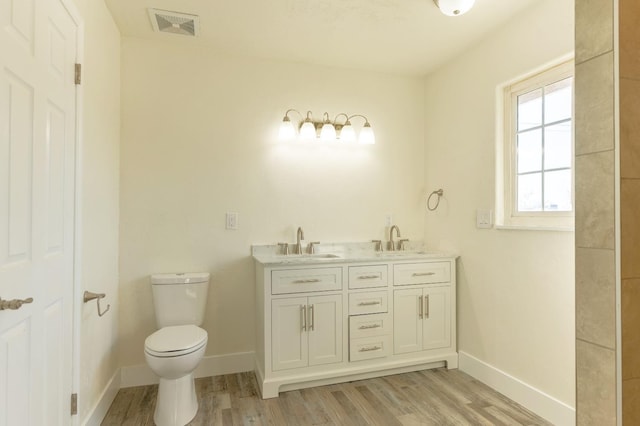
(368, 276)
(305, 280)
(370, 302)
(369, 325)
(421, 273)
(369, 348)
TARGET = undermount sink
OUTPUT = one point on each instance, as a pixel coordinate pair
(307, 257)
(401, 253)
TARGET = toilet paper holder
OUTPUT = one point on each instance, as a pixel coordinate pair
(89, 296)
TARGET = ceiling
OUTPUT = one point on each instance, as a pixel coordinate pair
(409, 37)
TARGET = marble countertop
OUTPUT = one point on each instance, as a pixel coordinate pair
(330, 253)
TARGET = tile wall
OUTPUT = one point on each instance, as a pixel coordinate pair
(595, 213)
(629, 45)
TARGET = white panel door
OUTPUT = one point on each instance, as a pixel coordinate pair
(38, 42)
(407, 322)
(436, 324)
(325, 329)
(289, 333)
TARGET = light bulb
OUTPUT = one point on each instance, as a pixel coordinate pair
(307, 131)
(328, 132)
(366, 135)
(454, 7)
(287, 131)
(347, 134)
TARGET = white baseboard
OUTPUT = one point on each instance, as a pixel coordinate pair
(141, 374)
(546, 406)
(99, 410)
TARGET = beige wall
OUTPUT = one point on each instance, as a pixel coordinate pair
(516, 288)
(100, 198)
(595, 215)
(199, 138)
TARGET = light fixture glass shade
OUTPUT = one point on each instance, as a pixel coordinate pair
(287, 130)
(347, 134)
(328, 132)
(454, 7)
(366, 135)
(307, 131)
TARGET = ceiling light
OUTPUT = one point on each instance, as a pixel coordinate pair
(454, 7)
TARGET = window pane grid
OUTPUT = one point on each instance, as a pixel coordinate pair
(531, 183)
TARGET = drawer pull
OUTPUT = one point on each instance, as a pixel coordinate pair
(423, 274)
(369, 303)
(311, 280)
(368, 327)
(370, 348)
(368, 277)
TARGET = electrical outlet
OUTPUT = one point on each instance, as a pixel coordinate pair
(388, 220)
(484, 219)
(232, 221)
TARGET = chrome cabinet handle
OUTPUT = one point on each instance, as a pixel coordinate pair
(369, 303)
(367, 277)
(14, 304)
(420, 311)
(370, 348)
(426, 306)
(423, 274)
(367, 327)
(313, 319)
(303, 313)
(311, 280)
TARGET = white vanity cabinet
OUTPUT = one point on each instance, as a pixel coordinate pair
(323, 322)
(306, 331)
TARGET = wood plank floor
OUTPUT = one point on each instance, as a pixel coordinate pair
(429, 397)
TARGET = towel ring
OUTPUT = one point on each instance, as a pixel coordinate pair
(439, 193)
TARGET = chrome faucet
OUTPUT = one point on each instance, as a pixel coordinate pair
(299, 236)
(392, 244)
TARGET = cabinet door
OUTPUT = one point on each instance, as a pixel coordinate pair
(289, 346)
(324, 325)
(436, 328)
(407, 324)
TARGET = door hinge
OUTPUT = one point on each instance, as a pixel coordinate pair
(74, 404)
(78, 73)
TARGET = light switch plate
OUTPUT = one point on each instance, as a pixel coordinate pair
(484, 219)
(232, 221)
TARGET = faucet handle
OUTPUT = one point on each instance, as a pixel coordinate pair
(401, 243)
(285, 248)
(378, 245)
(311, 247)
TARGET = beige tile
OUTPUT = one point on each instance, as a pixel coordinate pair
(594, 105)
(595, 201)
(631, 329)
(631, 401)
(629, 16)
(629, 128)
(596, 385)
(594, 28)
(596, 296)
(630, 227)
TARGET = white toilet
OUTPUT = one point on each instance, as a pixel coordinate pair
(176, 349)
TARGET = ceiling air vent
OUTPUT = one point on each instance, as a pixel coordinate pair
(174, 22)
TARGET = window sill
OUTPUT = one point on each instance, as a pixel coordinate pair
(534, 228)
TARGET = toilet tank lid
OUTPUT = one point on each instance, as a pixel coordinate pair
(180, 278)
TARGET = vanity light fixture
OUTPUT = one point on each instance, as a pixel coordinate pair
(326, 130)
(454, 7)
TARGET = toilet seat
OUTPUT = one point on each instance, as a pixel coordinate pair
(175, 341)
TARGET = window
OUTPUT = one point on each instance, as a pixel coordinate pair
(537, 151)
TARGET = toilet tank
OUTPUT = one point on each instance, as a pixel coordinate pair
(180, 299)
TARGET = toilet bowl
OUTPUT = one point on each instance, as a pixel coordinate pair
(174, 351)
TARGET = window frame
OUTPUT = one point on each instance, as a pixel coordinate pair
(507, 214)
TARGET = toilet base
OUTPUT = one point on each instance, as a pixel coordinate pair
(177, 403)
